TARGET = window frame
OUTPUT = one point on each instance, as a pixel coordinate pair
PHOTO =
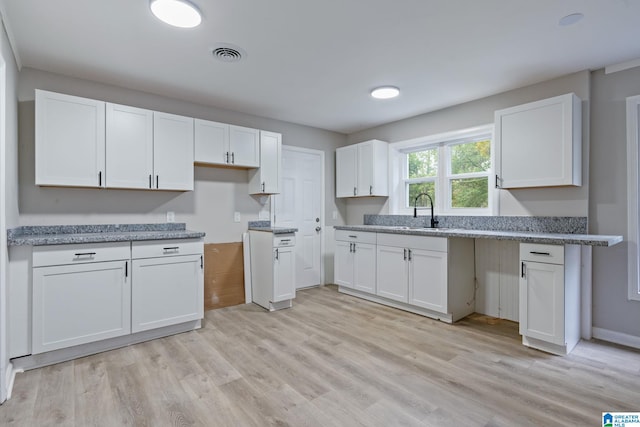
(633, 199)
(443, 141)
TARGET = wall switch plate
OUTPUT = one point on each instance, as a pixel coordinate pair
(171, 216)
(236, 216)
(334, 215)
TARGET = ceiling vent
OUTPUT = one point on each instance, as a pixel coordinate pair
(228, 53)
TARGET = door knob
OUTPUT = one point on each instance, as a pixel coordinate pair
(318, 228)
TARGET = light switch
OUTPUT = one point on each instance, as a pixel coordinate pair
(236, 216)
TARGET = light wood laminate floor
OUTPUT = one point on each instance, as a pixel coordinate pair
(331, 360)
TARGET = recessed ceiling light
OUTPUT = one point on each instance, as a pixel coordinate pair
(179, 13)
(574, 18)
(385, 92)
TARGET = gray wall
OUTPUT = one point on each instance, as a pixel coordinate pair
(569, 201)
(608, 199)
(218, 193)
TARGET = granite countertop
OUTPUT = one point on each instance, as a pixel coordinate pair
(522, 236)
(274, 230)
(65, 234)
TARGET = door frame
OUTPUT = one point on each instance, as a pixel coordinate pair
(322, 201)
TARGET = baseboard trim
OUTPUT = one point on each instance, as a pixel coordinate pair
(616, 337)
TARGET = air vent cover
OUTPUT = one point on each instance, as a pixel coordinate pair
(228, 53)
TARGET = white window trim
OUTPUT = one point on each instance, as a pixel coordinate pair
(633, 185)
(397, 168)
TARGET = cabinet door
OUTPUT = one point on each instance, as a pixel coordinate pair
(270, 162)
(346, 171)
(78, 304)
(428, 279)
(539, 144)
(70, 140)
(392, 273)
(364, 277)
(211, 142)
(244, 146)
(365, 169)
(172, 152)
(542, 302)
(166, 291)
(129, 147)
(343, 264)
(284, 287)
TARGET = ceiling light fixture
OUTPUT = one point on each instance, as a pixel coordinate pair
(385, 92)
(574, 18)
(179, 13)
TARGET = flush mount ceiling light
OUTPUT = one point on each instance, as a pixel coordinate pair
(574, 18)
(385, 92)
(179, 13)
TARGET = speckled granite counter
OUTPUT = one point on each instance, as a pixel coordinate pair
(64, 234)
(275, 230)
(266, 227)
(522, 236)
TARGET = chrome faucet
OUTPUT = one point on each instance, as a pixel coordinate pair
(434, 221)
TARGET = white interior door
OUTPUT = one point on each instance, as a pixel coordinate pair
(299, 205)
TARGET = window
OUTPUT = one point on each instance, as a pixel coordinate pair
(453, 168)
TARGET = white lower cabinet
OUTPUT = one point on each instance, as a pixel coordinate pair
(81, 294)
(167, 284)
(413, 270)
(550, 297)
(432, 276)
(355, 260)
(428, 280)
(273, 271)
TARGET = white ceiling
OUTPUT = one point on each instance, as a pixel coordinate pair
(314, 62)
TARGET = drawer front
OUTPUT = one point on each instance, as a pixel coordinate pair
(162, 248)
(355, 236)
(427, 243)
(550, 254)
(80, 253)
(284, 240)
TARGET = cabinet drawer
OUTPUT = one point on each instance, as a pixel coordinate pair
(284, 240)
(550, 254)
(80, 253)
(160, 248)
(355, 236)
(427, 243)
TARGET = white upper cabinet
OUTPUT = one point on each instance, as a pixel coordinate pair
(70, 140)
(211, 142)
(362, 170)
(226, 145)
(244, 146)
(172, 151)
(266, 179)
(539, 144)
(129, 147)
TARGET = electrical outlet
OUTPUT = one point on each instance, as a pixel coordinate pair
(334, 215)
(236, 216)
(171, 216)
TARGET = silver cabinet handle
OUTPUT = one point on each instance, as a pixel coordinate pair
(540, 253)
(355, 191)
(523, 270)
(371, 190)
(263, 186)
(277, 254)
(353, 236)
(233, 158)
(226, 160)
(405, 254)
(409, 254)
(85, 254)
